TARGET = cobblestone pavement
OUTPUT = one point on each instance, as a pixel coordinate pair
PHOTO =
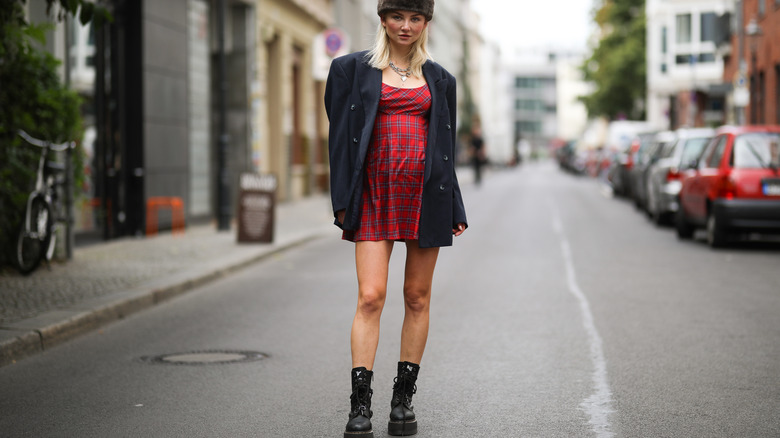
(110, 267)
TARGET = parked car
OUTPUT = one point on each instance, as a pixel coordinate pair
(734, 186)
(624, 161)
(647, 154)
(663, 178)
(620, 144)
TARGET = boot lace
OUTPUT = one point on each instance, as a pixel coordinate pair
(361, 399)
(404, 389)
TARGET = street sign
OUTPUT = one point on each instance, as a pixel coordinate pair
(328, 44)
(741, 97)
(741, 89)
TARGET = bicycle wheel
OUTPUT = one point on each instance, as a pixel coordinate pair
(32, 242)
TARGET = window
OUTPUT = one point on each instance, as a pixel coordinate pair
(663, 68)
(692, 149)
(706, 57)
(533, 82)
(713, 161)
(682, 59)
(777, 90)
(528, 127)
(708, 23)
(668, 149)
(663, 39)
(756, 150)
(529, 105)
(683, 28)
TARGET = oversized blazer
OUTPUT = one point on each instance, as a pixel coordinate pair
(352, 95)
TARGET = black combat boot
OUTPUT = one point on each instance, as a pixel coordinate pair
(402, 419)
(359, 425)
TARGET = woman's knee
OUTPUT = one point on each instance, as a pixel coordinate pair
(371, 301)
(417, 299)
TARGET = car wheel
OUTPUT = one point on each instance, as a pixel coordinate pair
(684, 228)
(660, 218)
(716, 235)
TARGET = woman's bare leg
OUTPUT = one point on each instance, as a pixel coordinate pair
(420, 263)
(371, 260)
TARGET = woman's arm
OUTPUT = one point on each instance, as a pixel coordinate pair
(337, 89)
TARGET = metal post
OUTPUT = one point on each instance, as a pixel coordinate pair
(740, 54)
(223, 189)
(69, 236)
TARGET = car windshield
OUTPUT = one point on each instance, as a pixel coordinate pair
(757, 150)
(693, 149)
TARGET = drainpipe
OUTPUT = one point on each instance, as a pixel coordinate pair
(223, 188)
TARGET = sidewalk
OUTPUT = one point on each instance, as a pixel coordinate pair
(109, 281)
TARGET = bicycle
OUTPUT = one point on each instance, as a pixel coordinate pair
(38, 235)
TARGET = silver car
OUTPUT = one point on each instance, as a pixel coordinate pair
(663, 182)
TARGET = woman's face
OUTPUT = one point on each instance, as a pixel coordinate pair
(404, 27)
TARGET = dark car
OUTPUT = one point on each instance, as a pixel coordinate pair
(624, 162)
(649, 150)
(734, 186)
(663, 177)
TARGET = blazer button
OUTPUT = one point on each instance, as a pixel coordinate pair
(445, 158)
(354, 140)
(449, 126)
(352, 107)
(441, 187)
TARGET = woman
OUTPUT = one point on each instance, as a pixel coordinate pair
(391, 141)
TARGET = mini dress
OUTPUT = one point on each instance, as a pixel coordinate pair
(394, 167)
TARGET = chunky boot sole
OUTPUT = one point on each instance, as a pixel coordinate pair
(402, 428)
(369, 434)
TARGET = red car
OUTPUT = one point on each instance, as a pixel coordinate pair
(734, 187)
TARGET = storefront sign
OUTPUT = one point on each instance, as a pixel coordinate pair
(256, 208)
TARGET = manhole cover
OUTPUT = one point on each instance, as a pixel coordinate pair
(206, 357)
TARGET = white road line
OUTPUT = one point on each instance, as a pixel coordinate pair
(598, 405)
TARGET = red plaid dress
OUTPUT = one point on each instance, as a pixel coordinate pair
(395, 166)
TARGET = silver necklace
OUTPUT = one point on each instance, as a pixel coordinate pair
(404, 73)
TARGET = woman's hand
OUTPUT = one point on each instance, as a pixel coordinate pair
(458, 231)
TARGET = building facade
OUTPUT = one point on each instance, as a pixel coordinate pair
(753, 40)
(291, 140)
(533, 84)
(684, 67)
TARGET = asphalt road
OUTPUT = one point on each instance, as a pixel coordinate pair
(561, 312)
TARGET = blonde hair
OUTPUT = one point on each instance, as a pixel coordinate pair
(379, 55)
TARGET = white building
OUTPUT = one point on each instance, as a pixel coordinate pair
(683, 65)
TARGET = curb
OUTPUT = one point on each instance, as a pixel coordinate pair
(34, 335)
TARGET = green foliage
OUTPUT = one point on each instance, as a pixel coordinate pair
(34, 100)
(617, 66)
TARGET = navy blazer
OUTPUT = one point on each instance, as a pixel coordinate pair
(352, 95)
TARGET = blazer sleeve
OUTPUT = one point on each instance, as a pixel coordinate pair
(337, 90)
(458, 208)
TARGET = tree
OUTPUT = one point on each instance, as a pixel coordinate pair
(617, 66)
(33, 99)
